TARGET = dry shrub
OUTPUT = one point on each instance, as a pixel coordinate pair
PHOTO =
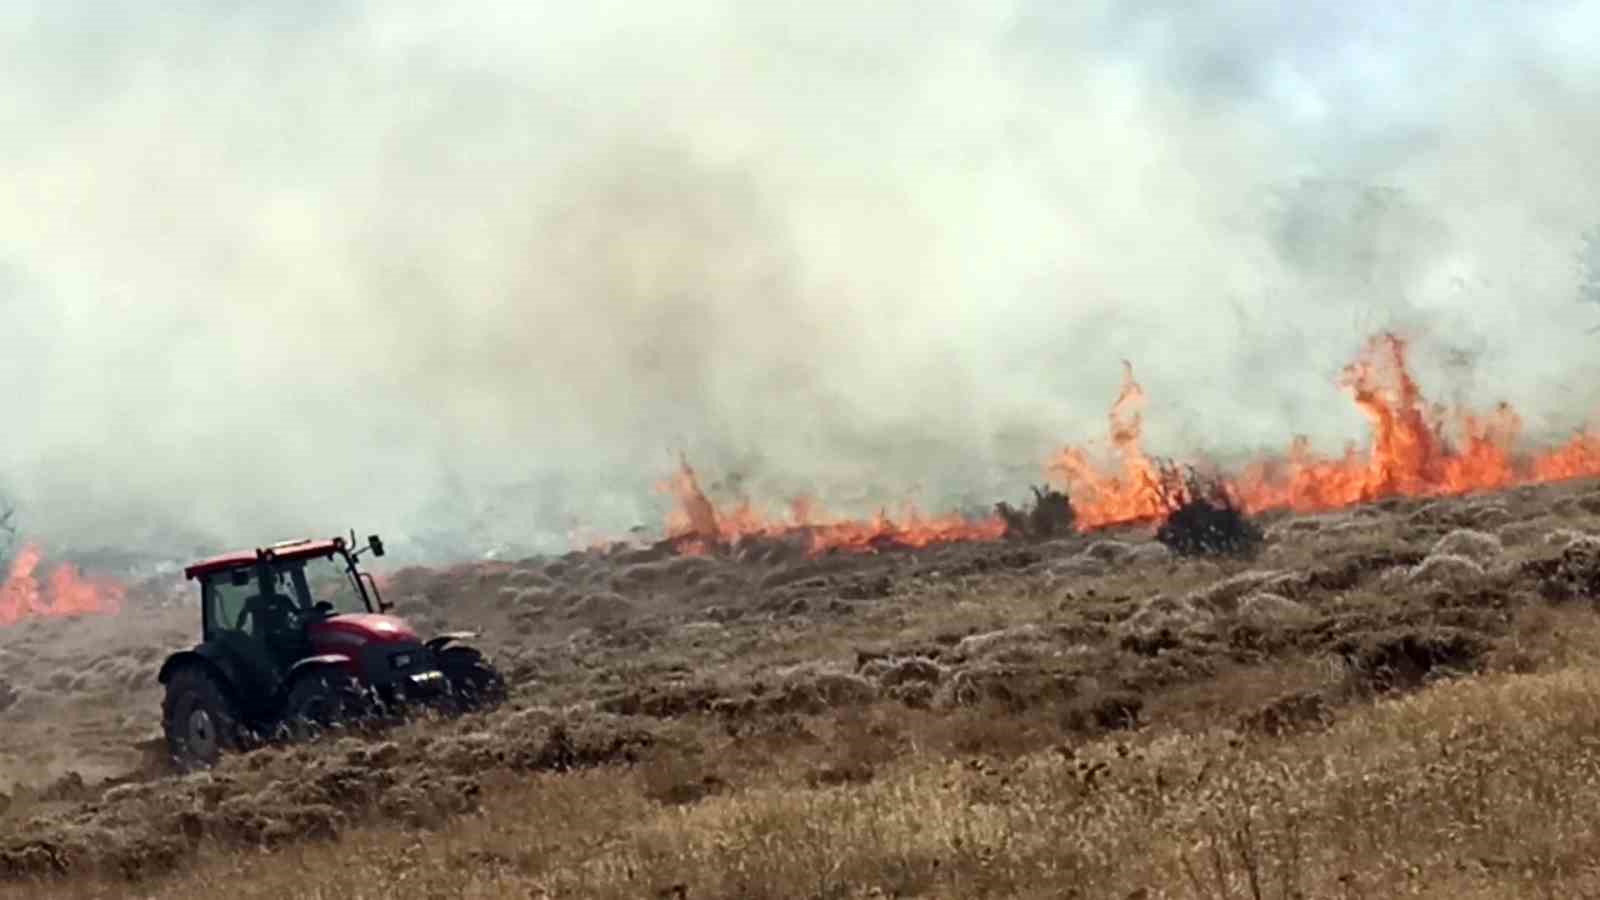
(1014, 688)
(1563, 536)
(1402, 659)
(891, 671)
(30, 860)
(1457, 513)
(603, 607)
(1203, 518)
(1148, 554)
(1518, 534)
(1108, 550)
(1575, 574)
(528, 578)
(758, 553)
(819, 691)
(534, 596)
(1446, 569)
(1484, 515)
(1224, 596)
(525, 620)
(1162, 623)
(1049, 515)
(1105, 556)
(663, 701)
(695, 634)
(1478, 546)
(1103, 710)
(689, 567)
(913, 694)
(1567, 507)
(1080, 566)
(1026, 637)
(643, 575)
(1264, 610)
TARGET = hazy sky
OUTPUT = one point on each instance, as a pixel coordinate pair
(478, 274)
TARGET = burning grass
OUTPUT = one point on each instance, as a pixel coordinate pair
(1415, 450)
(66, 591)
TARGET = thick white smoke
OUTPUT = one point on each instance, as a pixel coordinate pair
(477, 274)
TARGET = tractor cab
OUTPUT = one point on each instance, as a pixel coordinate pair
(274, 606)
(296, 632)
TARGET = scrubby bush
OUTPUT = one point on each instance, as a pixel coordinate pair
(1478, 546)
(1050, 515)
(1202, 517)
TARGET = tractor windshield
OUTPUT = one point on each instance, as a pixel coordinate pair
(321, 580)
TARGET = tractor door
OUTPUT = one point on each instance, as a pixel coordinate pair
(242, 637)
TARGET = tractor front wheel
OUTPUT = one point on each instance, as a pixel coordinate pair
(320, 701)
(199, 721)
(474, 683)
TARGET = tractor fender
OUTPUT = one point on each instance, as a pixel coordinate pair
(449, 639)
(205, 656)
(321, 661)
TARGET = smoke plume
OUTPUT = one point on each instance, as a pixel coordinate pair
(476, 276)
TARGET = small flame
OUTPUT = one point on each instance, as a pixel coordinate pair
(66, 592)
(696, 525)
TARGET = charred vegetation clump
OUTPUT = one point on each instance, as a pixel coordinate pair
(1203, 519)
(1050, 515)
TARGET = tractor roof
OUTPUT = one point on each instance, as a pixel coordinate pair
(302, 549)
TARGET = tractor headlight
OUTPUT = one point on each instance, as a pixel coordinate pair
(402, 660)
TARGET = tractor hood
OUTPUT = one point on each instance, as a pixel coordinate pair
(355, 629)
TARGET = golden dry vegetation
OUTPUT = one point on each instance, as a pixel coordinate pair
(1402, 699)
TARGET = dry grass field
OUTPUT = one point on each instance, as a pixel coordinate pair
(1397, 699)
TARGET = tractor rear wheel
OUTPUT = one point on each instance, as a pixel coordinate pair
(199, 721)
(474, 683)
(320, 701)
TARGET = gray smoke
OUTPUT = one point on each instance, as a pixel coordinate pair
(474, 277)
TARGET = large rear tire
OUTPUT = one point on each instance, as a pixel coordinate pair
(198, 718)
(475, 685)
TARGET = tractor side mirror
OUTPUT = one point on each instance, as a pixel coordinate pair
(376, 544)
(239, 577)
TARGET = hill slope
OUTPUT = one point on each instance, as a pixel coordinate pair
(1385, 698)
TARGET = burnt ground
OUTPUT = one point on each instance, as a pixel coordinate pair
(621, 656)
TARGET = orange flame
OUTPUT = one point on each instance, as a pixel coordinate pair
(697, 525)
(66, 592)
(1411, 454)
(1101, 499)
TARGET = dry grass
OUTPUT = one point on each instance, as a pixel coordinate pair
(1482, 787)
(1389, 701)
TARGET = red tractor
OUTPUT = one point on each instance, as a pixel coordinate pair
(295, 638)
